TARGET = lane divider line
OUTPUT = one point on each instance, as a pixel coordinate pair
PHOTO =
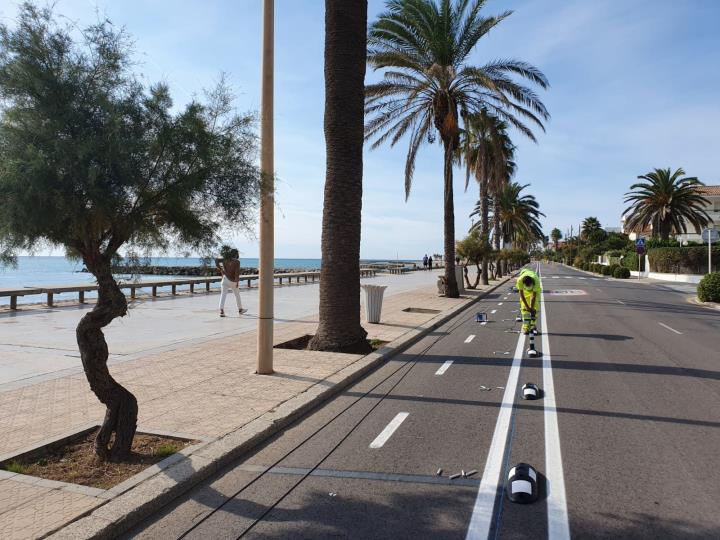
(442, 369)
(492, 482)
(469, 338)
(386, 433)
(671, 329)
(558, 524)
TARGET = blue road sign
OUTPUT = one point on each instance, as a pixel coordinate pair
(640, 243)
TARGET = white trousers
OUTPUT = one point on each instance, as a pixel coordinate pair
(225, 286)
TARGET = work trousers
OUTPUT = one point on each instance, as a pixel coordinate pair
(225, 286)
(528, 324)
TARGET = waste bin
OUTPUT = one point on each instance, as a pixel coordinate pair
(459, 278)
(373, 302)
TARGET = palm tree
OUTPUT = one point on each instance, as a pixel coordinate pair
(488, 153)
(428, 89)
(339, 326)
(589, 226)
(519, 215)
(556, 235)
(666, 201)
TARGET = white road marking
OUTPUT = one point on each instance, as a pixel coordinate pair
(500, 303)
(582, 278)
(469, 338)
(443, 368)
(620, 302)
(493, 311)
(556, 277)
(386, 433)
(491, 481)
(671, 329)
(483, 323)
(558, 527)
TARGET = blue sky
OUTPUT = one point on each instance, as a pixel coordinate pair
(633, 86)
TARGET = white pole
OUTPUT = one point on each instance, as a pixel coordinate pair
(267, 188)
(709, 251)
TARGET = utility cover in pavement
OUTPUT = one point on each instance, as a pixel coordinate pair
(522, 484)
(530, 391)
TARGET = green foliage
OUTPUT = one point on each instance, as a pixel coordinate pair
(708, 289)
(621, 272)
(16, 467)
(473, 248)
(92, 160)
(165, 450)
(682, 260)
(519, 215)
(605, 270)
(612, 268)
(667, 201)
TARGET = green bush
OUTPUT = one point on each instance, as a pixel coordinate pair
(682, 260)
(621, 273)
(597, 268)
(612, 268)
(605, 270)
(709, 288)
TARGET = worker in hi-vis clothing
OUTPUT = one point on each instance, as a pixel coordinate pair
(528, 285)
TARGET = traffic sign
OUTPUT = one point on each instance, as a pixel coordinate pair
(640, 246)
(710, 235)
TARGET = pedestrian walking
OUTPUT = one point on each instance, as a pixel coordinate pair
(425, 262)
(430, 262)
(230, 270)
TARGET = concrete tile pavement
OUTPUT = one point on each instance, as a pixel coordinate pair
(204, 390)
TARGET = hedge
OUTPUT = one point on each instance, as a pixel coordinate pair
(709, 288)
(621, 272)
(605, 270)
(682, 260)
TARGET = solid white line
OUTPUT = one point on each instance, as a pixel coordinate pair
(493, 311)
(443, 368)
(671, 329)
(558, 527)
(386, 433)
(482, 514)
(469, 338)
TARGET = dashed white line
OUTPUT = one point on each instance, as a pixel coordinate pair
(558, 527)
(469, 338)
(500, 303)
(620, 302)
(386, 433)
(493, 311)
(444, 368)
(671, 329)
(482, 514)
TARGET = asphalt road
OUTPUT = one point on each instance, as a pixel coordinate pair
(625, 440)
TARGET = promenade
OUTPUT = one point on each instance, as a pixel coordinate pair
(191, 371)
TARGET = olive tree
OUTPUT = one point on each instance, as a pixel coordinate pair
(94, 161)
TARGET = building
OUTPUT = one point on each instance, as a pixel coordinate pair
(712, 207)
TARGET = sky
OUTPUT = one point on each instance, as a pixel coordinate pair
(633, 87)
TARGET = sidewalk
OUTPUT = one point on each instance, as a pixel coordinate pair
(204, 391)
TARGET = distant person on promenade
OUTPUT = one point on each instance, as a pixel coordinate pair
(430, 262)
(230, 270)
(425, 262)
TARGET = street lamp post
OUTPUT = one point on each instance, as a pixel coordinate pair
(267, 187)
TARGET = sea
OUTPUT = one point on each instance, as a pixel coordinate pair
(34, 271)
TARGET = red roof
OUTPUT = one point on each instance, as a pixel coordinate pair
(708, 190)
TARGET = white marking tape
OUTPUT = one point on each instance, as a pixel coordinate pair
(469, 338)
(482, 513)
(671, 329)
(444, 367)
(386, 433)
(558, 527)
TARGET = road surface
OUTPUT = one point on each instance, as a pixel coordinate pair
(626, 438)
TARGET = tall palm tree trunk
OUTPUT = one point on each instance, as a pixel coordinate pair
(496, 233)
(122, 408)
(345, 59)
(484, 226)
(452, 290)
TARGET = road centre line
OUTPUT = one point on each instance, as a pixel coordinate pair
(482, 515)
(469, 338)
(671, 329)
(386, 433)
(558, 526)
(444, 367)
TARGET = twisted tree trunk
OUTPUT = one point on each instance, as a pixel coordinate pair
(121, 415)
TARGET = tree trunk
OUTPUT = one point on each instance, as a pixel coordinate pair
(121, 415)
(484, 225)
(477, 277)
(496, 235)
(345, 59)
(449, 218)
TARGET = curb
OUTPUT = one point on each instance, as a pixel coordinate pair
(122, 513)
